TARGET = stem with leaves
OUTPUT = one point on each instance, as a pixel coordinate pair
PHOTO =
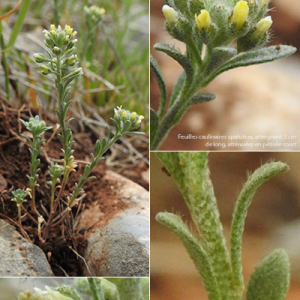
(61, 45)
(221, 273)
(37, 129)
(216, 26)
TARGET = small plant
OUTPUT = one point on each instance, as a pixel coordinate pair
(61, 44)
(94, 289)
(215, 24)
(220, 270)
(19, 198)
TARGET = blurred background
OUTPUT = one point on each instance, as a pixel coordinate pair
(114, 55)
(273, 221)
(262, 99)
(11, 287)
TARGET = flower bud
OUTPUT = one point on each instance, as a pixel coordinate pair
(203, 19)
(45, 70)
(39, 57)
(240, 14)
(76, 72)
(68, 29)
(170, 14)
(133, 115)
(262, 27)
(56, 50)
(71, 61)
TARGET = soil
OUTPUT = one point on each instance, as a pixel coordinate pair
(65, 241)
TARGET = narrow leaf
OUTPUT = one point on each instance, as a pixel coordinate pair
(177, 88)
(271, 278)
(205, 97)
(153, 124)
(251, 58)
(243, 202)
(196, 252)
(180, 58)
(161, 85)
(219, 56)
(191, 173)
(66, 107)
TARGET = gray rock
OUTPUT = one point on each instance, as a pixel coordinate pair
(19, 257)
(121, 247)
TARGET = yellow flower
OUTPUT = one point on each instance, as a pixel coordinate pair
(52, 27)
(68, 29)
(170, 14)
(240, 14)
(141, 117)
(262, 27)
(124, 114)
(203, 19)
(53, 32)
(133, 115)
(102, 11)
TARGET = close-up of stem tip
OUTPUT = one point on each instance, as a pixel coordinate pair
(218, 36)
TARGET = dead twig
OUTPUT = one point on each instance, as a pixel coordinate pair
(82, 259)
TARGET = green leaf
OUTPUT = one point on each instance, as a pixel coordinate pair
(219, 56)
(242, 204)
(182, 6)
(177, 88)
(191, 173)
(195, 250)
(270, 279)
(134, 132)
(153, 124)
(19, 23)
(66, 107)
(180, 58)
(161, 85)
(259, 56)
(205, 97)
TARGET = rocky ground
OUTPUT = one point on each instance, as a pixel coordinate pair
(67, 242)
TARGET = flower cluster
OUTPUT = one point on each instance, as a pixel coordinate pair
(218, 23)
(62, 43)
(126, 120)
(36, 126)
(19, 196)
(93, 15)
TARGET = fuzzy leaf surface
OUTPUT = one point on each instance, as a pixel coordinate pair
(254, 57)
(191, 173)
(195, 250)
(161, 85)
(179, 57)
(153, 124)
(270, 279)
(254, 181)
